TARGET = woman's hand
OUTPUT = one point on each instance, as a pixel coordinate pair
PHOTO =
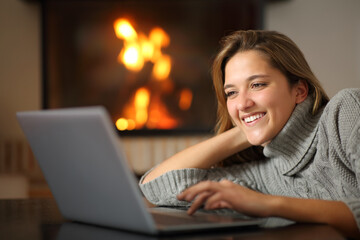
(226, 194)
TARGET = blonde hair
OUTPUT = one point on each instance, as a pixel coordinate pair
(281, 52)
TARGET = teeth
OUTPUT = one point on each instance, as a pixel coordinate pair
(253, 117)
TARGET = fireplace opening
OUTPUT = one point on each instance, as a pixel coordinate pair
(147, 61)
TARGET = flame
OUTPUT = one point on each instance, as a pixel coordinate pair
(185, 99)
(122, 124)
(159, 37)
(159, 117)
(147, 48)
(141, 103)
(125, 124)
(135, 112)
(162, 67)
(131, 57)
(146, 108)
(124, 30)
(138, 49)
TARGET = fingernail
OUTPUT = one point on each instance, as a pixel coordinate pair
(190, 212)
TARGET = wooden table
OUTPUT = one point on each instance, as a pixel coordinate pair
(40, 219)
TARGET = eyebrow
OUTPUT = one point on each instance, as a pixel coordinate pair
(249, 79)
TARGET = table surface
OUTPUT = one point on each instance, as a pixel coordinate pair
(41, 219)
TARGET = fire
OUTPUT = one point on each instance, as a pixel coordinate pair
(145, 108)
(138, 48)
(131, 57)
(124, 30)
(159, 37)
(185, 99)
(162, 66)
(142, 99)
(159, 117)
(125, 124)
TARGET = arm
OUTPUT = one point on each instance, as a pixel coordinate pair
(203, 155)
(333, 213)
(226, 194)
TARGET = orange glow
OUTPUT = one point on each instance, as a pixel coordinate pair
(185, 99)
(138, 49)
(162, 67)
(124, 30)
(131, 124)
(159, 116)
(135, 112)
(121, 124)
(147, 48)
(159, 37)
(145, 108)
(131, 57)
(125, 124)
(141, 103)
(142, 97)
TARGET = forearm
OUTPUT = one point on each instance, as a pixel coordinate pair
(334, 213)
(204, 154)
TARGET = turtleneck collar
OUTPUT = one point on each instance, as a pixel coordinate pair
(294, 146)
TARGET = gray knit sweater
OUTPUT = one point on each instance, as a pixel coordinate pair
(312, 157)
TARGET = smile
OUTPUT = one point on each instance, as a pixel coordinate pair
(253, 117)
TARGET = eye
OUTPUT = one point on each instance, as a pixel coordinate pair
(229, 94)
(257, 85)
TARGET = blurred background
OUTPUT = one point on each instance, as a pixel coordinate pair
(327, 31)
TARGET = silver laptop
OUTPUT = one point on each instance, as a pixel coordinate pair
(86, 169)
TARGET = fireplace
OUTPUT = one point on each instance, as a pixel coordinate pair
(147, 61)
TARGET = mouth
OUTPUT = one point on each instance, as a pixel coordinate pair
(253, 118)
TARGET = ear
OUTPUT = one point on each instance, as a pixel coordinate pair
(302, 90)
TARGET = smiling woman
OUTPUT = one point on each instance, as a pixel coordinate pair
(259, 98)
(308, 169)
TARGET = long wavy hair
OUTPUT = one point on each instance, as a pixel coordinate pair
(282, 54)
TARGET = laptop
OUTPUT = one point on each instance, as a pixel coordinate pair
(84, 164)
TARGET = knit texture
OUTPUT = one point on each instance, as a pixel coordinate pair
(312, 157)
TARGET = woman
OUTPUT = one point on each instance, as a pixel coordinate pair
(309, 167)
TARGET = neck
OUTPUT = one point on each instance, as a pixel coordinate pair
(292, 144)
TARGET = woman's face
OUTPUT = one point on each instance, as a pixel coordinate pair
(259, 98)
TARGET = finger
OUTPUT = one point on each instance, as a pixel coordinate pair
(218, 205)
(190, 193)
(217, 201)
(198, 202)
(181, 196)
(216, 197)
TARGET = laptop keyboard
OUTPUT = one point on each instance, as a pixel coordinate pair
(177, 216)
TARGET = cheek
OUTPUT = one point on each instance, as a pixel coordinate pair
(281, 110)
(266, 99)
(231, 108)
(276, 101)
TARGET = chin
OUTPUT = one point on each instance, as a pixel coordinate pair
(254, 143)
(265, 143)
(258, 142)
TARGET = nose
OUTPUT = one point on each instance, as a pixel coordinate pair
(244, 102)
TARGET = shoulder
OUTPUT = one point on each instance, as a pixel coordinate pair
(344, 105)
(344, 109)
(341, 115)
(348, 95)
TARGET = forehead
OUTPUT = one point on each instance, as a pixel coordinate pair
(245, 63)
